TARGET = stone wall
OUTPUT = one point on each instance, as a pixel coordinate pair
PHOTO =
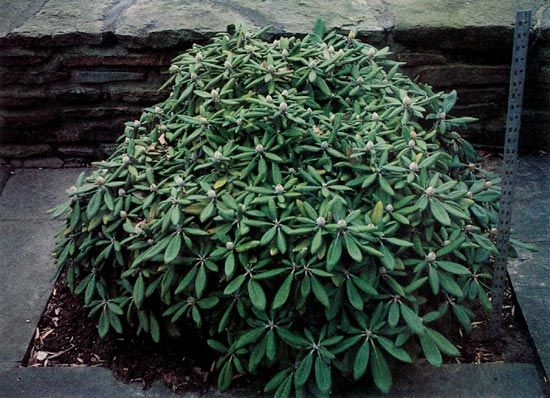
(66, 92)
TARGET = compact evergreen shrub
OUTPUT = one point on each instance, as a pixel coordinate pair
(306, 206)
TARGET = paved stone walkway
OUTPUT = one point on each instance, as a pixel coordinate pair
(530, 272)
(26, 267)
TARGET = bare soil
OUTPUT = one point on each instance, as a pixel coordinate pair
(66, 337)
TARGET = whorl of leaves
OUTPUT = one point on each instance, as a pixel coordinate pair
(301, 202)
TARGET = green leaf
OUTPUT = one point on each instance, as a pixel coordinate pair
(225, 376)
(322, 374)
(334, 253)
(303, 370)
(352, 248)
(393, 350)
(442, 343)
(320, 29)
(463, 317)
(377, 213)
(234, 285)
(354, 297)
(316, 242)
(94, 204)
(400, 242)
(154, 328)
(229, 266)
(449, 285)
(257, 295)
(393, 314)
(319, 292)
(380, 370)
(453, 268)
(432, 353)
(439, 212)
(207, 212)
(412, 319)
(103, 323)
(361, 360)
(276, 381)
(139, 291)
(200, 281)
(283, 292)
(364, 286)
(173, 249)
(250, 337)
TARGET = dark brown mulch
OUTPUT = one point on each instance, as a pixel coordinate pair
(65, 336)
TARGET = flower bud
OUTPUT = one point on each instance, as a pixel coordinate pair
(123, 214)
(211, 193)
(413, 167)
(218, 155)
(406, 100)
(284, 53)
(351, 34)
(227, 65)
(125, 159)
(469, 194)
(413, 134)
(100, 180)
(375, 117)
(360, 80)
(370, 145)
(158, 109)
(342, 224)
(389, 208)
(469, 228)
(324, 145)
(493, 231)
(371, 53)
(150, 242)
(199, 57)
(215, 94)
(230, 245)
(431, 256)
(163, 128)
(179, 181)
(488, 184)
(430, 191)
(446, 242)
(121, 192)
(194, 76)
(411, 143)
(279, 189)
(153, 188)
(72, 188)
(137, 123)
(174, 69)
(259, 148)
(321, 221)
(269, 99)
(283, 107)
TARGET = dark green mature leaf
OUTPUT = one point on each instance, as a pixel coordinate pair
(303, 370)
(412, 319)
(380, 370)
(361, 360)
(439, 212)
(139, 291)
(322, 374)
(257, 295)
(430, 349)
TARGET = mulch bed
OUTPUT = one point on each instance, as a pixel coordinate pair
(65, 336)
